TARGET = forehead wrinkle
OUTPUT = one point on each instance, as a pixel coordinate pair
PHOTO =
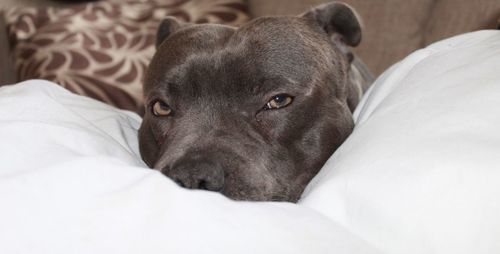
(276, 85)
(187, 73)
(255, 58)
(179, 47)
(284, 68)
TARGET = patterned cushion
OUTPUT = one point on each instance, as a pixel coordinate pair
(101, 49)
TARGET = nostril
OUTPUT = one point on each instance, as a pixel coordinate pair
(211, 184)
(197, 174)
(179, 182)
(176, 178)
(203, 185)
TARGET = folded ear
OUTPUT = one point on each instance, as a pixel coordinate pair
(337, 20)
(167, 27)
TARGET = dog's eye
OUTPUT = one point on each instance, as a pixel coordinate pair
(279, 101)
(161, 108)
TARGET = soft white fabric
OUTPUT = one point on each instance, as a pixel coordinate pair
(420, 173)
(72, 181)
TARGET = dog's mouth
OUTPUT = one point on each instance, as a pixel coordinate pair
(211, 176)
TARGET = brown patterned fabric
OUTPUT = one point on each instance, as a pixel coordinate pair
(102, 49)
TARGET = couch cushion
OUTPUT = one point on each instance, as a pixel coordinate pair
(452, 17)
(102, 49)
(393, 29)
(420, 172)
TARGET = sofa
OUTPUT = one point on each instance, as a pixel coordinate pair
(391, 30)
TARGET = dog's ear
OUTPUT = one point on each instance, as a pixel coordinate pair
(167, 27)
(338, 20)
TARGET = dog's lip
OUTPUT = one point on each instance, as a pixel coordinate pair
(161, 166)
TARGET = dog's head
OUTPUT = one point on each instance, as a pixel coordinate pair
(252, 112)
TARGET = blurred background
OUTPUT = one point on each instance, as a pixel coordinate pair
(101, 48)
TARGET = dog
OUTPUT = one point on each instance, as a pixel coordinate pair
(252, 112)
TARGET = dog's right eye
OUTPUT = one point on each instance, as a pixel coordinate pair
(279, 101)
(161, 108)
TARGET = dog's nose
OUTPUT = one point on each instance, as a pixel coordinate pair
(197, 174)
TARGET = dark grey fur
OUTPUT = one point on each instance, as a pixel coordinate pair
(217, 80)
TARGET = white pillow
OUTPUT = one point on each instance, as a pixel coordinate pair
(421, 171)
(72, 181)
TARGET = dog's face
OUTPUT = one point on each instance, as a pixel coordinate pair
(252, 112)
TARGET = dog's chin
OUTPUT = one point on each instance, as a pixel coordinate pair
(272, 196)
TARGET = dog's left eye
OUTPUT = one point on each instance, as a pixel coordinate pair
(279, 101)
(161, 108)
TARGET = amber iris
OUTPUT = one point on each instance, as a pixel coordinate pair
(279, 101)
(160, 108)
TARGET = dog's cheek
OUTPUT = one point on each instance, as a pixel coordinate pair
(275, 125)
(147, 144)
(320, 141)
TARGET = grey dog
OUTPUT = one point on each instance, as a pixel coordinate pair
(252, 112)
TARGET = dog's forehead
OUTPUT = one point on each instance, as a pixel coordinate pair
(188, 42)
(277, 48)
(277, 30)
(281, 39)
(284, 45)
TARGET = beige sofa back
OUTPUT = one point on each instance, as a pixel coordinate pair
(395, 28)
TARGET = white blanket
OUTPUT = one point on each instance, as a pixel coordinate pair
(420, 173)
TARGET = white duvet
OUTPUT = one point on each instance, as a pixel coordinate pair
(419, 174)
